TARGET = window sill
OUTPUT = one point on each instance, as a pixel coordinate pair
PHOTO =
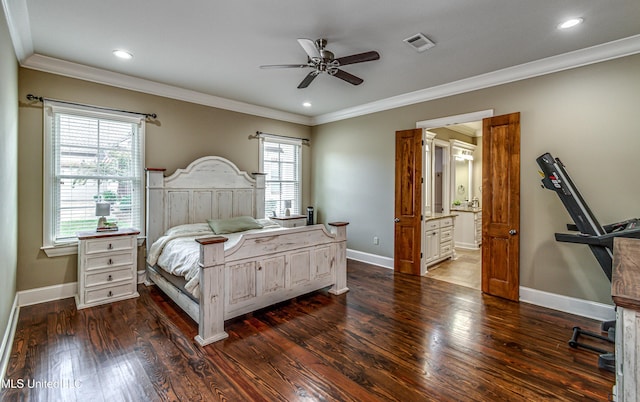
(61, 249)
(71, 248)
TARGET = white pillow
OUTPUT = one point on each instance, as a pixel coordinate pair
(188, 228)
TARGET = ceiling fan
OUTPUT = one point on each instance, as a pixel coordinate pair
(323, 61)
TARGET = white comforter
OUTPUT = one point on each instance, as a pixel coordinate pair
(177, 252)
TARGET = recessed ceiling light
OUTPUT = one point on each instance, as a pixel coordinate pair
(570, 23)
(123, 54)
(306, 104)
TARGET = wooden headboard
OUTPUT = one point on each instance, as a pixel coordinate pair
(211, 187)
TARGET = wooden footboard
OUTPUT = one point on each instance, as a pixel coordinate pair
(264, 269)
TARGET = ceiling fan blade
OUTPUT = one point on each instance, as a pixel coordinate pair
(310, 48)
(268, 66)
(350, 78)
(358, 58)
(307, 80)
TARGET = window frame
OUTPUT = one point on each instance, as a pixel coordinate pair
(50, 246)
(288, 141)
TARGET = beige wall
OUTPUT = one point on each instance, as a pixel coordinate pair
(580, 115)
(8, 173)
(183, 132)
(584, 116)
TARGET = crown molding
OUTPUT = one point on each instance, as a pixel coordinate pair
(18, 22)
(17, 17)
(100, 76)
(591, 55)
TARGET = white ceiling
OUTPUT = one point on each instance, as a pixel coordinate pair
(214, 48)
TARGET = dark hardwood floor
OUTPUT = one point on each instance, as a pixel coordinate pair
(391, 337)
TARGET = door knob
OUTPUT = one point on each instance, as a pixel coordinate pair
(512, 232)
(397, 220)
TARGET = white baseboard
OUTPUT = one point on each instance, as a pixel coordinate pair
(372, 259)
(571, 305)
(56, 292)
(7, 339)
(48, 293)
(467, 246)
(566, 304)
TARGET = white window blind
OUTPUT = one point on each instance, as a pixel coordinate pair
(91, 156)
(280, 160)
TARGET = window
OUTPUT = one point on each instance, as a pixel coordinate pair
(280, 160)
(90, 156)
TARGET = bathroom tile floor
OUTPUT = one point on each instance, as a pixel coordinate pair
(465, 270)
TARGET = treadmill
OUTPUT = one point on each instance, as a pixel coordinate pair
(587, 230)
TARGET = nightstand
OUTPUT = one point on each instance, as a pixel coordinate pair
(292, 221)
(107, 267)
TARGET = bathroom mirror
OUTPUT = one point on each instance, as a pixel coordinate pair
(461, 173)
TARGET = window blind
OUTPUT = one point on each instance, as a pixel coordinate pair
(281, 163)
(94, 157)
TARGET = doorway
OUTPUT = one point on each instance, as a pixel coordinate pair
(500, 227)
(465, 191)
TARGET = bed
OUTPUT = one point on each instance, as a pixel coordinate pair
(240, 272)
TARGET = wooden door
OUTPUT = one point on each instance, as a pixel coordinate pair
(501, 206)
(408, 201)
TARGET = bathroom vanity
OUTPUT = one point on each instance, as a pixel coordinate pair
(438, 239)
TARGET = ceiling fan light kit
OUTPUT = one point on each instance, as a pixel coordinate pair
(324, 61)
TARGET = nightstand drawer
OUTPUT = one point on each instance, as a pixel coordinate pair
(105, 261)
(112, 292)
(109, 245)
(101, 278)
(293, 221)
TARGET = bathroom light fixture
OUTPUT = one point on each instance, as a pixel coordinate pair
(123, 54)
(464, 155)
(306, 104)
(570, 23)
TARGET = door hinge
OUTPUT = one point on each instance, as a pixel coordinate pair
(420, 255)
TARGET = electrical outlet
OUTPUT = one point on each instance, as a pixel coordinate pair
(376, 241)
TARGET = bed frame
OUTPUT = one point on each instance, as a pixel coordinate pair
(262, 268)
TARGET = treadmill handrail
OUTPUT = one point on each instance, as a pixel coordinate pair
(605, 240)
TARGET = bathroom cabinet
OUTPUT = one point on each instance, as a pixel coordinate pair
(438, 239)
(468, 232)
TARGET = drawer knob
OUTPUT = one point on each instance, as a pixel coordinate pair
(110, 294)
(110, 261)
(110, 246)
(110, 278)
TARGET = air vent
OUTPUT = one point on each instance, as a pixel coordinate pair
(419, 42)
